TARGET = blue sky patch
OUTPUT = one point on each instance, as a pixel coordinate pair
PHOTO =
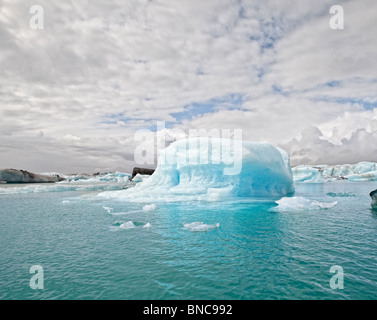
(232, 101)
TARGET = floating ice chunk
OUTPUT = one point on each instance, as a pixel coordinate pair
(200, 226)
(130, 225)
(127, 225)
(108, 209)
(301, 203)
(149, 207)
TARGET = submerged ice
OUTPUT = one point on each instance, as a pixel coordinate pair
(149, 207)
(200, 226)
(214, 169)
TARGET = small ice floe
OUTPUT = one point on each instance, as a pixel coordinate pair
(66, 201)
(200, 226)
(130, 225)
(108, 209)
(127, 225)
(301, 203)
(149, 207)
(147, 225)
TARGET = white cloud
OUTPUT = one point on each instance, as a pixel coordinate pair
(99, 71)
(312, 149)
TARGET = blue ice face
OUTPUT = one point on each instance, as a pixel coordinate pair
(216, 169)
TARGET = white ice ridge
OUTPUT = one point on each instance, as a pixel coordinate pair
(362, 171)
(214, 169)
(301, 203)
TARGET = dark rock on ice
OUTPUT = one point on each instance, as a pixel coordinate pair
(23, 176)
(145, 171)
(373, 195)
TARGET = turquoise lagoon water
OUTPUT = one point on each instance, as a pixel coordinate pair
(257, 252)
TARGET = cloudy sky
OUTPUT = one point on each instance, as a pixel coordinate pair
(73, 94)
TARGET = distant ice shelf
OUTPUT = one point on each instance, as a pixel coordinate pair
(362, 171)
(100, 177)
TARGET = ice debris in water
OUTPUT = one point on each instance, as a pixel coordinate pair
(108, 209)
(149, 207)
(200, 226)
(301, 203)
(127, 225)
(131, 225)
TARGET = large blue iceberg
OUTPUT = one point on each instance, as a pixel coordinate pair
(215, 169)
